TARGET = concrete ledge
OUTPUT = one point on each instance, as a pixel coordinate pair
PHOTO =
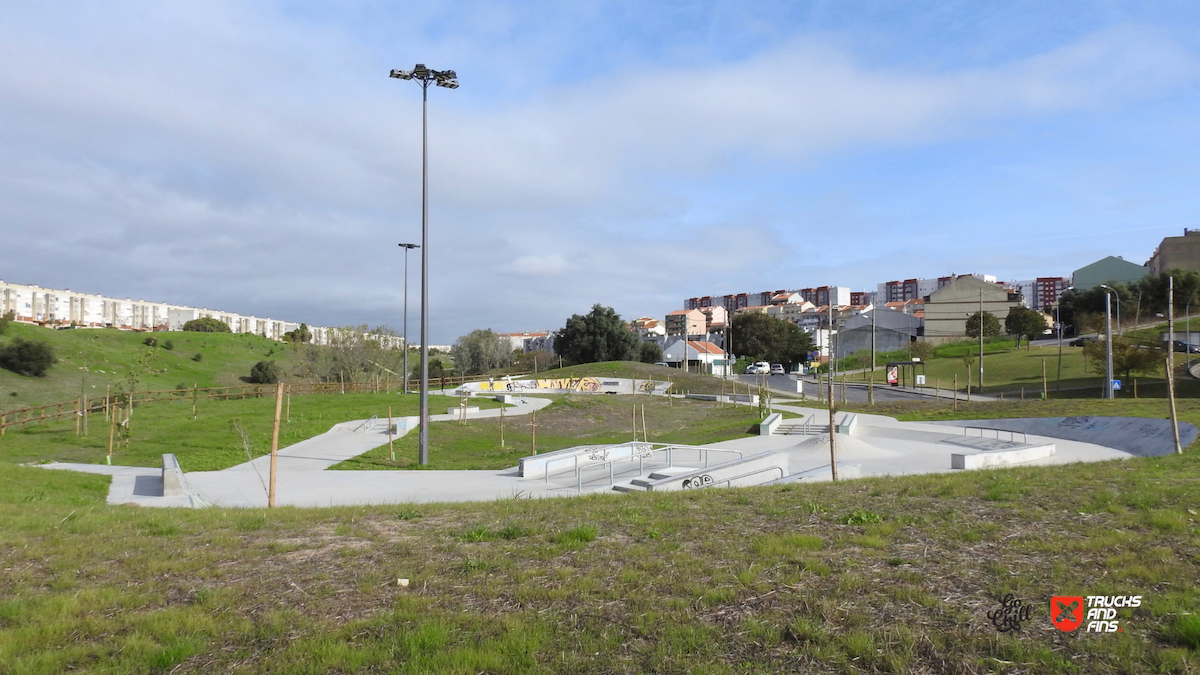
(580, 456)
(846, 471)
(848, 424)
(172, 477)
(752, 470)
(456, 411)
(770, 424)
(751, 399)
(991, 458)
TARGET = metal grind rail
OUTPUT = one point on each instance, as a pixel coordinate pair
(729, 481)
(369, 425)
(639, 452)
(1011, 434)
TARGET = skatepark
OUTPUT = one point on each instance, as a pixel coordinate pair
(792, 446)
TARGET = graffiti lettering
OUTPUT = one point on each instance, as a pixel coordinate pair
(701, 481)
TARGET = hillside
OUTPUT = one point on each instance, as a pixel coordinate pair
(88, 360)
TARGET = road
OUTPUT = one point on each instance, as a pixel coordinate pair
(785, 385)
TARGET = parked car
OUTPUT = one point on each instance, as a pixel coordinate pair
(1079, 342)
(1181, 346)
(662, 363)
(777, 369)
(760, 368)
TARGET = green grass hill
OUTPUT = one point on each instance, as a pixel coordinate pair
(88, 360)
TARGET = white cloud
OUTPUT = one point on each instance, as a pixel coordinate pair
(255, 159)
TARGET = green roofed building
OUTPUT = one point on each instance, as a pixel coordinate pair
(1111, 269)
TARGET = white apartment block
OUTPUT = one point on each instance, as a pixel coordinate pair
(54, 308)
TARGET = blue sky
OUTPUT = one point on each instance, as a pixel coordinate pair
(255, 157)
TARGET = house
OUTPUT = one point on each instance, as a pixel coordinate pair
(790, 311)
(686, 322)
(701, 356)
(947, 309)
(1113, 269)
(1176, 253)
(648, 328)
(715, 318)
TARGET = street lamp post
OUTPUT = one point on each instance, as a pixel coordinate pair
(407, 248)
(448, 79)
(1108, 371)
(1058, 325)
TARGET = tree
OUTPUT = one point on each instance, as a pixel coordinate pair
(1153, 290)
(265, 372)
(600, 335)
(991, 325)
(480, 351)
(4, 321)
(207, 325)
(27, 357)
(762, 337)
(1128, 357)
(354, 354)
(301, 334)
(650, 352)
(1024, 322)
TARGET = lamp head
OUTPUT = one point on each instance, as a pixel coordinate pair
(420, 71)
(401, 74)
(410, 246)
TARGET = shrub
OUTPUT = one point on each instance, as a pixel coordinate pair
(168, 345)
(198, 357)
(650, 352)
(207, 325)
(27, 357)
(264, 372)
(150, 341)
(4, 321)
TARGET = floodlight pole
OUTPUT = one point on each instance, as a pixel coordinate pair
(407, 248)
(448, 79)
(1108, 382)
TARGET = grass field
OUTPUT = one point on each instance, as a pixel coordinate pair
(1011, 370)
(877, 575)
(90, 359)
(211, 441)
(571, 420)
(880, 575)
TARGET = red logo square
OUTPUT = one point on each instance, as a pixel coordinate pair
(1066, 612)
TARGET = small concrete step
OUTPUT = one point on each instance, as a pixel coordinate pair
(622, 487)
(669, 471)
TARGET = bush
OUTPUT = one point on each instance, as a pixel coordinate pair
(650, 352)
(264, 372)
(168, 345)
(198, 357)
(207, 325)
(150, 341)
(27, 357)
(4, 321)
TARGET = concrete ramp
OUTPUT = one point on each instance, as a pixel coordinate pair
(1140, 436)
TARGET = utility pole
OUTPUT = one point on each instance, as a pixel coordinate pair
(981, 340)
(1170, 335)
(873, 310)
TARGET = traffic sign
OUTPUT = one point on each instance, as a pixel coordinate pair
(1116, 384)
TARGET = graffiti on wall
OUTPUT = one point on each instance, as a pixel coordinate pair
(585, 384)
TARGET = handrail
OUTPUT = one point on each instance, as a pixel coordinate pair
(1011, 434)
(729, 481)
(373, 419)
(635, 455)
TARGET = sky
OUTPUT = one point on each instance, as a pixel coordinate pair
(255, 157)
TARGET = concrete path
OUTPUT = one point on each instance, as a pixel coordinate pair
(881, 445)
